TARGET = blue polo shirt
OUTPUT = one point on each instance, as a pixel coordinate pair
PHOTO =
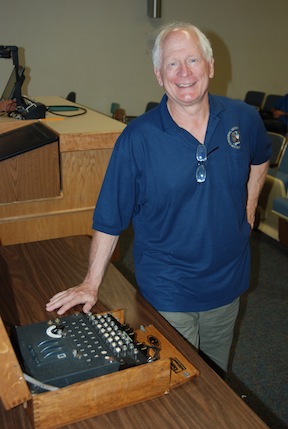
(191, 247)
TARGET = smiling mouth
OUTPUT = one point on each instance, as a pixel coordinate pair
(184, 85)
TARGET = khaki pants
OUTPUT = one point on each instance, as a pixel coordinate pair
(210, 331)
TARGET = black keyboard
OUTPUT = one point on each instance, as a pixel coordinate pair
(76, 348)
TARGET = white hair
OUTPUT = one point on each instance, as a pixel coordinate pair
(204, 43)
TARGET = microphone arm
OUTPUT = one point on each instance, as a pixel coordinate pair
(12, 52)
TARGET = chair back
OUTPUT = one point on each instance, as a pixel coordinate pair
(71, 96)
(278, 143)
(283, 162)
(151, 105)
(270, 102)
(255, 98)
(120, 115)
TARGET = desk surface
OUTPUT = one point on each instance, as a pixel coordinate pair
(32, 272)
(96, 130)
(91, 122)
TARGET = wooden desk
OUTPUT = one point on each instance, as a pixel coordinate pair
(85, 145)
(32, 272)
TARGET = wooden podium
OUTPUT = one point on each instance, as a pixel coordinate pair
(67, 179)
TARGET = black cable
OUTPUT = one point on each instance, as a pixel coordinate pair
(156, 351)
(83, 111)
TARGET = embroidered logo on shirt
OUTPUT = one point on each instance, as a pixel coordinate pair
(233, 138)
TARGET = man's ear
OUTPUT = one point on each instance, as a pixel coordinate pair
(158, 76)
(211, 68)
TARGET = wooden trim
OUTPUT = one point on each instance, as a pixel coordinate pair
(99, 396)
(87, 141)
(13, 388)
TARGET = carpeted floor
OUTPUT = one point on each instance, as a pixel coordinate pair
(260, 349)
(259, 356)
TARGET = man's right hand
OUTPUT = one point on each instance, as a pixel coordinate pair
(85, 294)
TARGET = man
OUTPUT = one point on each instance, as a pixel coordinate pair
(188, 174)
(277, 120)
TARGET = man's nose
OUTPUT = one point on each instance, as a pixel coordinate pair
(184, 69)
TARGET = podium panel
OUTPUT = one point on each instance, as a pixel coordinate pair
(31, 175)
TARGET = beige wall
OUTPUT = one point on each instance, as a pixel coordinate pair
(100, 48)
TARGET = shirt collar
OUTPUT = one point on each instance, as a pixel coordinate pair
(216, 107)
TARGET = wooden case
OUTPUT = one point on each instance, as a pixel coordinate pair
(98, 395)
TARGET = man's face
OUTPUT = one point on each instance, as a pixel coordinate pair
(184, 72)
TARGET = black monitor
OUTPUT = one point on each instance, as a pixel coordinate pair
(13, 87)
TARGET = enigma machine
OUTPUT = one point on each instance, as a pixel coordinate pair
(76, 348)
(85, 359)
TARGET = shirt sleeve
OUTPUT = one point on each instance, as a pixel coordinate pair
(117, 198)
